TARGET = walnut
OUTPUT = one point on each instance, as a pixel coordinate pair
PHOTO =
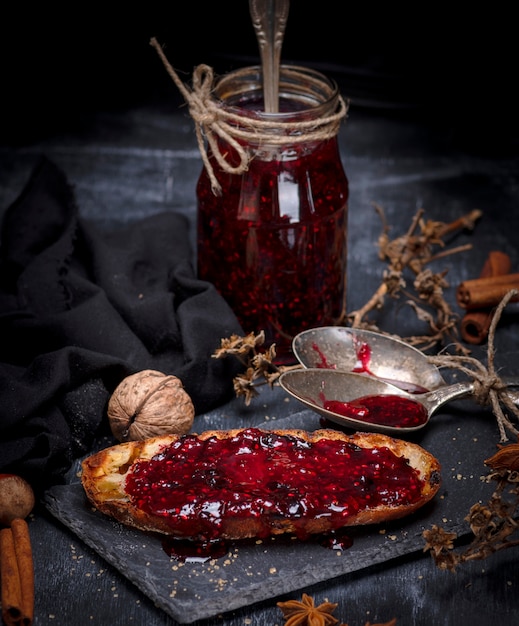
(147, 404)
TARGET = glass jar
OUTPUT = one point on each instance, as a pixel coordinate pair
(273, 239)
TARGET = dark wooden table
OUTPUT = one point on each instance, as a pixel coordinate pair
(127, 164)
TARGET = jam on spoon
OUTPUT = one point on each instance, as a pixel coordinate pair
(387, 410)
(366, 400)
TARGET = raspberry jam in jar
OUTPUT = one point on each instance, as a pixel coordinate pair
(273, 238)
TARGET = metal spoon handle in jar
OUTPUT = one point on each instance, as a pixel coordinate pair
(269, 18)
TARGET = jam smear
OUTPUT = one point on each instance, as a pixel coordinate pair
(336, 540)
(386, 410)
(323, 364)
(187, 551)
(362, 366)
(198, 485)
(363, 352)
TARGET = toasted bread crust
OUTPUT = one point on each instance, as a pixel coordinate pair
(104, 473)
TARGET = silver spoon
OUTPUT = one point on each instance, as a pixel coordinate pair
(367, 403)
(367, 352)
(269, 19)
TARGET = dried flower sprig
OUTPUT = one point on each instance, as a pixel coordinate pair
(412, 253)
(492, 525)
(258, 363)
(304, 613)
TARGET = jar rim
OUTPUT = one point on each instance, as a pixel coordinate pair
(316, 93)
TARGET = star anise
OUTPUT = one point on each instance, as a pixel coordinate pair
(304, 612)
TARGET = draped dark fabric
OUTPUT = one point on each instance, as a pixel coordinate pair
(80, 309)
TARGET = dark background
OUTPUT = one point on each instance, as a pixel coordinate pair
(62, 67)
(457, 71)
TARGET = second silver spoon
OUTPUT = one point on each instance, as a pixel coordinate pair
(366, 403)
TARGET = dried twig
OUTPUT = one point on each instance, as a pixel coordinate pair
(492, 524)
(411, 253)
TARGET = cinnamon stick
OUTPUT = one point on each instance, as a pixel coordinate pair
(22, 545)
(485, 293)
(17, 574)
(475, 324)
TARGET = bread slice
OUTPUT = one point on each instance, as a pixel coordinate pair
(243, 483)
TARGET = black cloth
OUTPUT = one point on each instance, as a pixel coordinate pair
(80, 309)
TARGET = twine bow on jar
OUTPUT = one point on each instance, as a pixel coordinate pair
(212, 121)
(208, 118)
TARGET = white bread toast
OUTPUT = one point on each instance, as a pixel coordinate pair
(105, 477)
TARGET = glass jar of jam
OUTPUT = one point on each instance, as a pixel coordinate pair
(272, 237)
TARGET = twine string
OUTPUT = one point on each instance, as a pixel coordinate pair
(213, 122)
(489, 388)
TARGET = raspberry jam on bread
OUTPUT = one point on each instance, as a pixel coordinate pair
(246, 483)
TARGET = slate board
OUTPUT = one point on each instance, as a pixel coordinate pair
(251, 572)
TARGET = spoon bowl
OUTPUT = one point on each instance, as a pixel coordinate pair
(370, 404)
(367, 353)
